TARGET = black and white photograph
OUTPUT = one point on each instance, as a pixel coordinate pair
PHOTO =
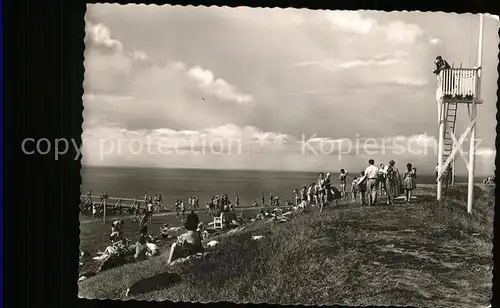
(288, 156)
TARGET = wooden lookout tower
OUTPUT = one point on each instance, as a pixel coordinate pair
(458, 88)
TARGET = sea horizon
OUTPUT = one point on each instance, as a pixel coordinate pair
(182, 183)
(463, 175)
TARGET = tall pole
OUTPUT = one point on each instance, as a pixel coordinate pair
(473, 116)
(441, 115)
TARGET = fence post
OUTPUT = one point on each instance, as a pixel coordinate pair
(104, 201)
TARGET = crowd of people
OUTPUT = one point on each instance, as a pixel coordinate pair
(367, 186)
(221, 202)
(385, 179)
(319, 193)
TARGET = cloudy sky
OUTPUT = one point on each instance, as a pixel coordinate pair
(281, 89)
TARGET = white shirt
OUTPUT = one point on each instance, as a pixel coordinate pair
(150, 207)
(371, 172)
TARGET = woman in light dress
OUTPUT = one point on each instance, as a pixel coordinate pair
(392, 182)
(409, 181)
(343, 182)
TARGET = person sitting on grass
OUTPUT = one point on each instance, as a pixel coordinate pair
(116, 236)
(164, 231)
(188, 243)
(140, 247)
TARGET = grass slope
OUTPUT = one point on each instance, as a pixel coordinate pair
(422, 254)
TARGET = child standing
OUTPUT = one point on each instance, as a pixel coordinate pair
(354, 189)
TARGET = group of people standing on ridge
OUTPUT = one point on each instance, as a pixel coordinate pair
(319, 193)
(374, 181)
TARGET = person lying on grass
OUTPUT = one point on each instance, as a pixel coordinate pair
(145, 247)
(188, 243)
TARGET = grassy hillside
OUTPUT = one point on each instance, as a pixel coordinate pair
(421, 254)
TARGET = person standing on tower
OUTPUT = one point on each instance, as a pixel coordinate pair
(441, 64)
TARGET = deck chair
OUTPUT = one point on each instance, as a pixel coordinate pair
(219, 222)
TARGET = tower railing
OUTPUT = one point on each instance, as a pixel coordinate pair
(459, 83)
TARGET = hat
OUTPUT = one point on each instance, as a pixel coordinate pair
(391, 162)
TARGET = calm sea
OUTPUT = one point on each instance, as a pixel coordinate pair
(181, 184)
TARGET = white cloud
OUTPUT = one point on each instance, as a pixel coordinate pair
(100, 35)
(217, 86)
(354, 21)
(140, 55)
(105, 61)
(407, 81)
(435, 41)
(358, 63)
(351, 21)
(401, 32)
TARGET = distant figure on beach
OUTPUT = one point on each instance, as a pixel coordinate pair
(436, 171)
(88, 200)
(343, 182)
(371, 173)
(441, 64)
(263, 200)
(361, 184)
(149, 212)
(255, 204)
(392, 182)
(271, 199)
(409, 181)
(183, 209)
(237, 199)
(296, 196)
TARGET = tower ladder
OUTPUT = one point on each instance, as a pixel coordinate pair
(450, 120)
